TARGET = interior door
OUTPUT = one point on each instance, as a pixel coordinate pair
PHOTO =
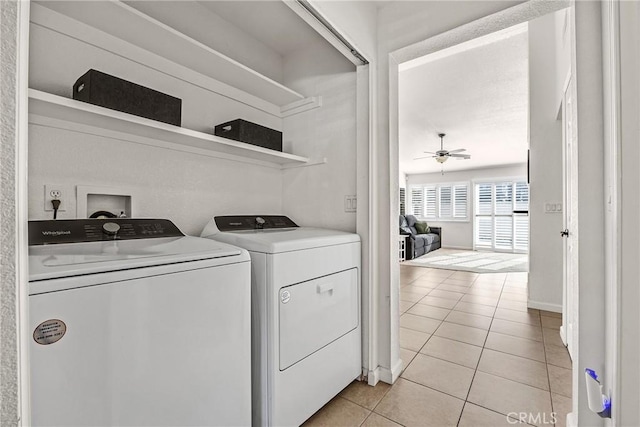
(569, 232)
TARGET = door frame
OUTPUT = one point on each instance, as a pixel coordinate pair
(18, 247)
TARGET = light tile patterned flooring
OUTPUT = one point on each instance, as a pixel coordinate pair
(473, 354)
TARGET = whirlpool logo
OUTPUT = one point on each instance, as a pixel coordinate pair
(56, 233)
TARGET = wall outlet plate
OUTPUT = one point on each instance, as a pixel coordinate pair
(54, 191)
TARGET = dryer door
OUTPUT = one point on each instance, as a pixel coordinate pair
(314, 313)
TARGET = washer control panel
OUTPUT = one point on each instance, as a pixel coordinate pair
(253, 222)
(95, 230)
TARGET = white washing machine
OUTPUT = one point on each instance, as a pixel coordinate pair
(306, 331)
(136, 324)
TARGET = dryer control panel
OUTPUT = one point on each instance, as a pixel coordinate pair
(253, 222)
(96, 230)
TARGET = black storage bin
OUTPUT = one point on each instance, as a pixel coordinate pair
(251, 133)
(112, 92)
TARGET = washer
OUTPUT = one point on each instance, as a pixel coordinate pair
(306, 332)
(136, 324)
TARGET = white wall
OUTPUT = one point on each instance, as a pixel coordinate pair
(459, 234)
(549, 61)
(185, 188)
(314, 195)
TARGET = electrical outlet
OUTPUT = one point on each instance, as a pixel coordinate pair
(51, 192)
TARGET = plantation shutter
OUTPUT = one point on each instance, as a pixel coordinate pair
(446, 205)
(430, 197)
(484, 205)
(440, 201)
(484, 232)
(522, 196)
(504, 198)
(521, 230)
(502, 216)
(417, 202)
(460, 201)
(521, 220)
(504, 232)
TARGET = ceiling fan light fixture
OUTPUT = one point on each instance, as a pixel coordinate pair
(441, 159)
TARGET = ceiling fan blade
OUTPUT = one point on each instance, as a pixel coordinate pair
(424, 157)
(429, 152)
(459, 150)
(460, 156)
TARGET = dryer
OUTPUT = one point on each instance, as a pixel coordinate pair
(306, 332)
(136, 324)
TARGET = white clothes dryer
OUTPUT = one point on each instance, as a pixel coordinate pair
(136, 324)
(306, 331)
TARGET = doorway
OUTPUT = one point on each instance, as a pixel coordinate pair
(553, 218)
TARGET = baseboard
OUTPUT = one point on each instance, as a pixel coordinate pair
(563, 335)
(390, 376)
(373, 376)
(463, 248)
(556, 308)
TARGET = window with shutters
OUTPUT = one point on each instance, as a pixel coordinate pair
(501, 215)
(441, 202)
(417, 202)
(430, 202)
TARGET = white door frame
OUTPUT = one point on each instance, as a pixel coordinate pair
(612, 235)
(20, 244)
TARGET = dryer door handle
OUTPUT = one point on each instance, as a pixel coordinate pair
(325, 287)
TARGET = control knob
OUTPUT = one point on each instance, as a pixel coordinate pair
(260, 222)
(110, 228)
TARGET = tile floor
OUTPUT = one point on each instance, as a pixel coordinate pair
(473, 354)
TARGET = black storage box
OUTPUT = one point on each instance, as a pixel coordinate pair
(112, 92)
(251, 133)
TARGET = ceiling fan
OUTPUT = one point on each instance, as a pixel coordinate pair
(442, 155)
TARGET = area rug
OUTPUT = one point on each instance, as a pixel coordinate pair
(474, 261)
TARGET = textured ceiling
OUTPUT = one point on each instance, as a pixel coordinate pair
(476, 93)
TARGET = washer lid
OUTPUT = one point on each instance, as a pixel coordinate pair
(286, 239)
(75, 259)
